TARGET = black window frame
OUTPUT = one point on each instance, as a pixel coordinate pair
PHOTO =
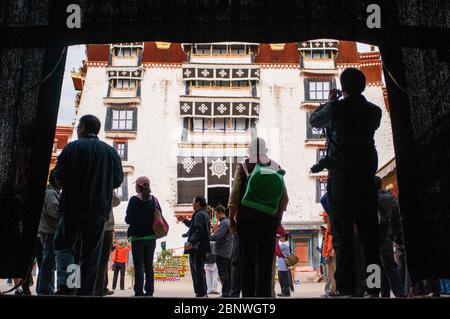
(133, 51)
(125, 151)
(310, 134)
(124, 196)
(234, 122)
(321, 152)
(307, 83)
(319, 194)
(225, 122)
(222, 50)
(205, 125)
(109, 119)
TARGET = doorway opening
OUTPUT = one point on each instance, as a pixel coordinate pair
(218, 196)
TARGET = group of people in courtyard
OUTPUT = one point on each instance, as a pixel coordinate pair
(363, 221)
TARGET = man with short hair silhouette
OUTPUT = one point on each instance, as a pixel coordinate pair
(351, 123)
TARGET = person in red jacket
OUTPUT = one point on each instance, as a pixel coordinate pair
(119, 258)
(330, 257)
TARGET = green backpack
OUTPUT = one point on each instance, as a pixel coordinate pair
(265, 187)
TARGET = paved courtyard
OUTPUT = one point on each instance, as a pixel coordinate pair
(183, 288)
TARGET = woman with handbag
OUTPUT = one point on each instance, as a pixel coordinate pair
(140, 215)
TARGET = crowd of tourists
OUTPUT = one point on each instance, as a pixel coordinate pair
(249, 247)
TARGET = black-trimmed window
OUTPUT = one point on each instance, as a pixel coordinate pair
(318, 89)
(212, 83)
(203, 50)
(121, 119)
(220, 124)
(122, 190)
(242, 83)
(240, 124)
(223, 83)
(313, 133)
(200, 124)
(321, 189)
(237, 50)
(125, 52)
(217, 124)
(125, 83)
(317, 54)
(122, 149)
(219, 50)
(202, 83)
(187, 190)
(321, 153)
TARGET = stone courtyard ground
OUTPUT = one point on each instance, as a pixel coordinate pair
(183, 288)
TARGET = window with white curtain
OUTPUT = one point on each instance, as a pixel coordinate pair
(318, 89)
(122, 120)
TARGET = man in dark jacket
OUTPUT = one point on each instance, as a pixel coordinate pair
(223, 249)
(235, 290)
(387, 210)
(352, 162)
(101, 288)
(198, 245)
(88, 170)
(47, 228)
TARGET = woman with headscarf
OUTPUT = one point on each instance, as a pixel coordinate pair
(140, 215)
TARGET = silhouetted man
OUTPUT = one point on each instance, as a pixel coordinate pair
(223, 249)
(197, 245)
(387, 210)
(352, 162)
(101, 288)
(88, 170)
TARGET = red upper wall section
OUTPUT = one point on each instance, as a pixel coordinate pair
(97, 52)
(290, 54)
(370, 65)
(152, 54)
(348, 54)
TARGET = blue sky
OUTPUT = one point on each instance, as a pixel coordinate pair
(75, 55)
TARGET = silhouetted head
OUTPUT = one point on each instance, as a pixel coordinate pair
(378, 183)
(143, 187)
(199, 202)
(88, 124)
(353, 81)
(221, 211)
(257, 145)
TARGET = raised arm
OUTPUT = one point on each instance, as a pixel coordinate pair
(322, 117)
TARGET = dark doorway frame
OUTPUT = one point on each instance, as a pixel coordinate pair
(45, 28)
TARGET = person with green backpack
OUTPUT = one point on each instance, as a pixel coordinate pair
(257, 201)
